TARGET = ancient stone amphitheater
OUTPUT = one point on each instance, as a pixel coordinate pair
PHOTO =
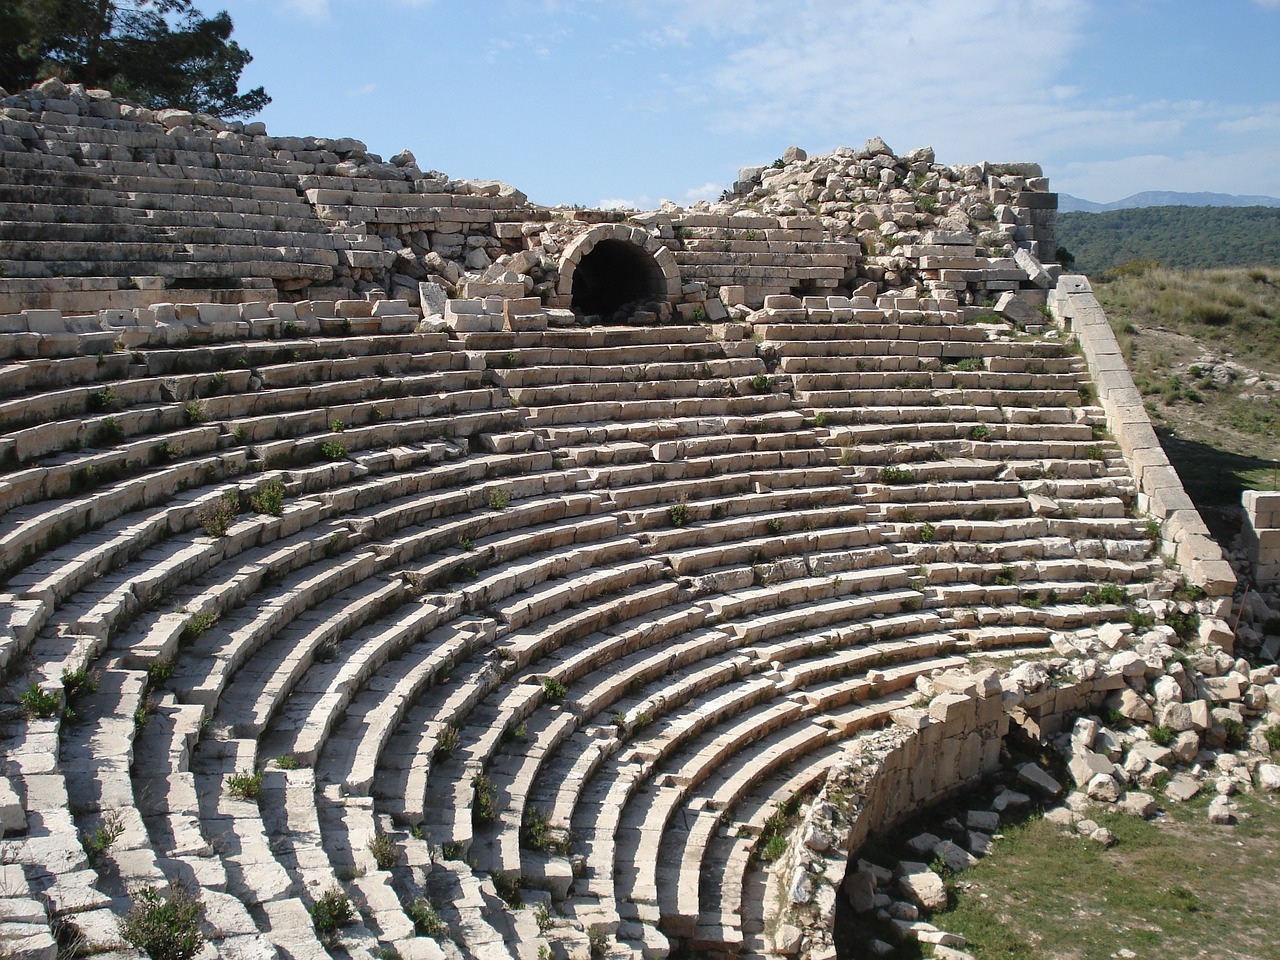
(377, 535)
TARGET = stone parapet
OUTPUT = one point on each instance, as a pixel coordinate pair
(1160, 491)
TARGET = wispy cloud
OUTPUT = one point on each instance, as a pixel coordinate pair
(363, 90)
(311, 9)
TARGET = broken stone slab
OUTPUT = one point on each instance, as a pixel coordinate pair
(1035, 272)
(922, 886)
(1033, 776)
(1269, 777)
(1103, 788)
(1182, 788)
(1017, 310)
(1139, 805)
(1008, 800)
(954, 856)
(1222, 811)
(983, 820)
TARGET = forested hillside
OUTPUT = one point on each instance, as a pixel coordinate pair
(1183, 237)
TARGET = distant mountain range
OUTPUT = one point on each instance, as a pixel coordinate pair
(1163, 198)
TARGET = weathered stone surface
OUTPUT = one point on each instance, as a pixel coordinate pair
(922, 886)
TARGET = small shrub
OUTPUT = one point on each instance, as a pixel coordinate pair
(508, 886)
(928, 533)
(538, 835)
(1161, 736)
(327, 650)
(245, 785)
(384, 851)
(197, 624)
(1111, 593)
(484, 808)
(164, 928)
(980, 432)
(159, 671)
(287, 761)
(553, 689)
(761, 383)
(1272, 736)
(1007, 577)
(337, 426)
(334, 450)
(896, 475)
(426, 920)
(332, 911)
(774, 525)
(112, 431)
(1152, 529)
(678, 514)
(499, 497)
(108, 832)
(1235, 733)
(79, 683)
(269, 498)
(38, 702)
(446, 743)
(542, 914)
(104, 401)
(142, 715)
(193, 411)
(1140, 621)
(218, 516)
(1185, 625)
(820, 419)
(597, 942)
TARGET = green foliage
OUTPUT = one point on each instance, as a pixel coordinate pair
(484, 806)
(774, 525)
(334, 450)
(112, 431)
(508, 886)
(761, 383)
(538, 835)
(1184, 237)
(498, 498)
(163, 53)
(216, 518)
(446, 742)
(1107, 593)
(1185, 625)
(287, 761)
(193, 411)
(426, 920)
(553, 689)
(164, 928)
(79, 683)
(385, 853)
(678, 514)
(269, 498)
(927, 533)
(104, 401)
(107, 833)
(597, 942)
(331, 911)
(1236, 736)
(1272, 736)
(38, 702)
(896, 475)
(245, 785)
(197, 624)
(337, 426)
(1161, 736)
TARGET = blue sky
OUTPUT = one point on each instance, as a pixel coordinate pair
(607, 101)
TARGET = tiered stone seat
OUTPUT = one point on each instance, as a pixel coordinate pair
(619, 578)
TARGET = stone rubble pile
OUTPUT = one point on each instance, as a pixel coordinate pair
(1160, 723)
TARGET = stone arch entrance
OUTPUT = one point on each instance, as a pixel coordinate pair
(613, 265)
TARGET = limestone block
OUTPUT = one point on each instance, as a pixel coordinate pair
(13, 819)
(922, 886)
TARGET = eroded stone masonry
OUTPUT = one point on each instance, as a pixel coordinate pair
(378, 538)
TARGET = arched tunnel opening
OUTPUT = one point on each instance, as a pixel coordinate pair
(614, 274)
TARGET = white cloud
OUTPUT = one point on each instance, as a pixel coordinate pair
(362, 91)
(311, 9)
(708, 191)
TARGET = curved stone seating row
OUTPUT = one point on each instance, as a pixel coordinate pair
(707, 661)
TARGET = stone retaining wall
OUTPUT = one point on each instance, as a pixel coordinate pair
(1262, 535)
(1160, 491)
